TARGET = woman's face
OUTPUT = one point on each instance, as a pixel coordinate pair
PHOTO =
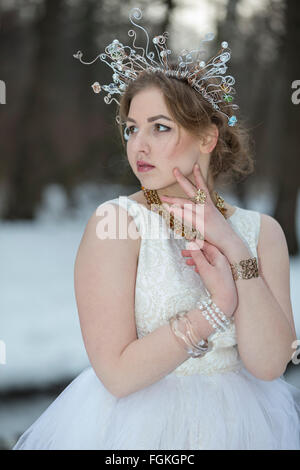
(156, 140)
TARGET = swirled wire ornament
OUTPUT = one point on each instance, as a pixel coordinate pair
(128, 62)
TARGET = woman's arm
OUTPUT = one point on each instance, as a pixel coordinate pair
(105, 275)
(264, 318)
(149, 359)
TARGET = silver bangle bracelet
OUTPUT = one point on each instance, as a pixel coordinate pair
(174, 327)
(193, 350)
(200, 345)
(193, 347)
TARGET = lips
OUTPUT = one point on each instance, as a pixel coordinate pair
(142, 164)
(144, 167)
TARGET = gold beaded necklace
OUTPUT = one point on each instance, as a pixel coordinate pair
(153, 200)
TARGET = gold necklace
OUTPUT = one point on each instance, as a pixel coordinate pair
(153, 200)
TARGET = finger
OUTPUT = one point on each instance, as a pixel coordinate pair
(211, 252)
(198, 256)
(194, 246)
(179, 201)
(200, 243)
(199, 260)
(189, 215)
(184, 214)
(184, 182)
(201, 183)
(187, 185)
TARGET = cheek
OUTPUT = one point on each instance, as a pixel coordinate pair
(165, 143)
(170, 147)
(184, 156)
(181, 152)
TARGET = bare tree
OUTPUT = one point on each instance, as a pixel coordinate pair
(34, 149)
(288, 140)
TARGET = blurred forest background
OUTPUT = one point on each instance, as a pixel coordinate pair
(56, 133)
(53, 128)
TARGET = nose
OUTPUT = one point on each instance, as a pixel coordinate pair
(140, 142)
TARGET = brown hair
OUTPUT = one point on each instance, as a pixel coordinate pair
(232, 154)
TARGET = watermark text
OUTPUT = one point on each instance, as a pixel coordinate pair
(2, 352)
(296, 94)
(2, 92)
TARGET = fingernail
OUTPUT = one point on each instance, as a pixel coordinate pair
(197, 166)
(192, 246)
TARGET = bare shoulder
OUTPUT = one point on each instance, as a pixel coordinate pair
(108, 225)
(136, 196)
(139, 197)
(270, 230)
(273, 257)
(272, 248)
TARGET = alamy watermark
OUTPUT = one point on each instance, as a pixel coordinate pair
(157, 227)
(2, 92)
(296, 94)
(2, 352)
(296, 354)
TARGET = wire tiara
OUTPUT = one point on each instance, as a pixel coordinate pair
(206, 78)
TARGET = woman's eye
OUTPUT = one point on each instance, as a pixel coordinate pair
(162, 125)
(130, 129)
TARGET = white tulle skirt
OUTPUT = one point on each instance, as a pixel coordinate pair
(230, 410)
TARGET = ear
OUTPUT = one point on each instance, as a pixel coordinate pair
(209, 139)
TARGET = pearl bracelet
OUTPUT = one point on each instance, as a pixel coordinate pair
(213, 314)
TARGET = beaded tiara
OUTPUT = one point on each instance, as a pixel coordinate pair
(206, 78)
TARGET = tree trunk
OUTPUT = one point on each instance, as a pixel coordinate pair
(29, 167)
(288, 175)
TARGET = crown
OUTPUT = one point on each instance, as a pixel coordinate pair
(206, 77)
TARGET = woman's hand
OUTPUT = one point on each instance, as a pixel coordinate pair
(204, 217)
(215, 272)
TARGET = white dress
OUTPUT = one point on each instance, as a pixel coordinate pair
(212, 402)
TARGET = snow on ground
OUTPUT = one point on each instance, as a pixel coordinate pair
(39, 325)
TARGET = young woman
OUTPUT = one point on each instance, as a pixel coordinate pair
(164, 375)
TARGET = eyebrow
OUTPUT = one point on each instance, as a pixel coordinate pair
(153, 118)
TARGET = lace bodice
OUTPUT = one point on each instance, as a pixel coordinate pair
(166, 285)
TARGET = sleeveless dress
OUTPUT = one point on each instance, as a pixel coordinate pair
(212, 402)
